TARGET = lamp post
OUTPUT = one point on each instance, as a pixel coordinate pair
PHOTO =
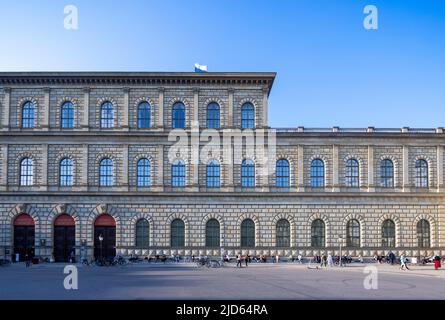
(101, 238)
(340, 239)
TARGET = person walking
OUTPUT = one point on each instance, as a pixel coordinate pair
(247, 259)
(403, 264)
(277, 258)
(437, 262)
(27, 261)
(330, 260)
(238, 261)
(324, 260)
(299, 257)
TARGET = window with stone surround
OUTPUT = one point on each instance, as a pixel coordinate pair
(247, 173)
(352, 176)
(248, 116)
(282, 173)
(213, 116)
(387, 173)
(28, 115)
(318, 230)
(67, 115)
(66, 172)
(106, 172)
(178, 173)
(388, 234)
(421, 174)
(144, 115)
(317, 173)
(178, 116)
(213, 174)
(26, 172)
(248, 233)
(423, 234)
(142, 233)
(283, 233)
(353, 233)
(107, 115)
(212, 234)
(143, 172)
(177, 234)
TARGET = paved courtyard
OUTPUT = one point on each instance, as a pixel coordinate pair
(185, 281)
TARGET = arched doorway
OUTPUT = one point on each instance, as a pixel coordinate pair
(105, 229)
(64, 237)
(24, 235)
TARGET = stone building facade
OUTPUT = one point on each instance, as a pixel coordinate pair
(366, 190)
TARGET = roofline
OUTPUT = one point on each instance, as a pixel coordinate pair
(265, 79)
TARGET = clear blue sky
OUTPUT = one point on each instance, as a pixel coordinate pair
(331, 71)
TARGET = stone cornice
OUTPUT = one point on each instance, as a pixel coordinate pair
(264, 79)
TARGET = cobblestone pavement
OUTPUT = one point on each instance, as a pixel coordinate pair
(186, 281)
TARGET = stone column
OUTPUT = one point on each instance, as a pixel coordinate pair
(160, 182)
(335, 182)
(46, 114)
(265, 106)
(300, 169)
(371, 184)
(126, 111)
(4, 167)
(439, 168)
(195, 117)
(84, 164)
(44, 168)
(86, 109)
(230, 110)
(405, 169)
(161, 108)
(6, 108)
(125, 166)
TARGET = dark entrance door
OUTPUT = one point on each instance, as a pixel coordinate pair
(64, 238)
(105, 229)
(24, 235)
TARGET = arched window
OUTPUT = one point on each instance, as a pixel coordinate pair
(107, 115)
(353, 233)
(67, 115)
(247, 233)
(143, 173)
(282, 173)
(144, 114)
(177, 237)
(213, 174)
(318, 233)
(283, 233)
(388, 233)
(28, 115)
(247, 173)
(387, 173)
(178, 116)
(352, 173)
(106, 172)
(317, 173)
(247, 116)
(212, 233)
(26, 172)
(66, 172)
(423, 234)
(213, 116)
(421, 178)
(142, 233)
(178, 173)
